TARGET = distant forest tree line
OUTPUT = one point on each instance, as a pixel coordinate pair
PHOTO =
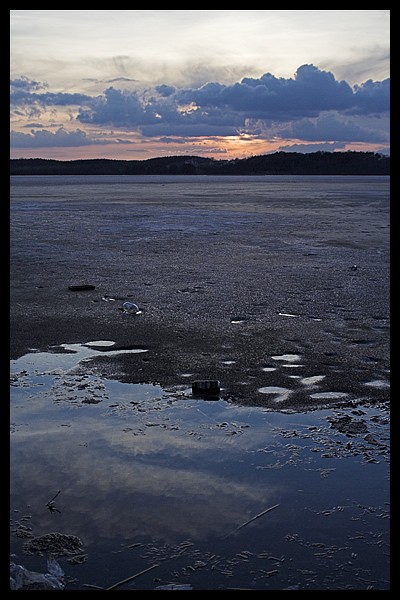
(278, 163)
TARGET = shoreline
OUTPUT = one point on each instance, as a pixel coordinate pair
(277, 163)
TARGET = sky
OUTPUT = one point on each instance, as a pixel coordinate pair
(225, 84)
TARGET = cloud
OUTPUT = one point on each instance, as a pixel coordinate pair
(21, 97)
(165, 90)
(118, 108)
(165, 117)
(310, 92)
(26, 84)
(371, 97)
(306, 148)
(360, 62)
(21, 94)
(330, 128)
(47, 139)
(171, 140)
(299, 107)
(216, 108)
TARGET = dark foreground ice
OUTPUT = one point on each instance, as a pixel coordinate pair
(277, 287)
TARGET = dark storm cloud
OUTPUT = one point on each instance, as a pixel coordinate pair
(371, 97)
(119, 108)
(269, 97)
(158, 117)
(215, 109)
(330, 128)
(308, 94)
(214, 105)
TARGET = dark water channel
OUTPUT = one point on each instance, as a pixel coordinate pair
(153, 477)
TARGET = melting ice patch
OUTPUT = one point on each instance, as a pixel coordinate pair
(68, 356)
(378, 383)
(312, 380)
(288, 360)
(329, 395)
(280, 392)
(291, 358)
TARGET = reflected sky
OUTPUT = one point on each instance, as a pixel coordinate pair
(134, 463)
(128, 458)
(155, 469)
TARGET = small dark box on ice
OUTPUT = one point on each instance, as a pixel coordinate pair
(206, 387)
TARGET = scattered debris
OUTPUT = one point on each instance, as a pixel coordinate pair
(50, 504)
(129, 307)
(107, 298)
(345, 424)
(79, 288)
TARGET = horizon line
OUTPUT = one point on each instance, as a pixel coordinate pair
(188, 156)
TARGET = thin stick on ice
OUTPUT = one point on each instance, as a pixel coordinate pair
(264, 512)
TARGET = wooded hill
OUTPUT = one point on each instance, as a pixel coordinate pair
(278, 163)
